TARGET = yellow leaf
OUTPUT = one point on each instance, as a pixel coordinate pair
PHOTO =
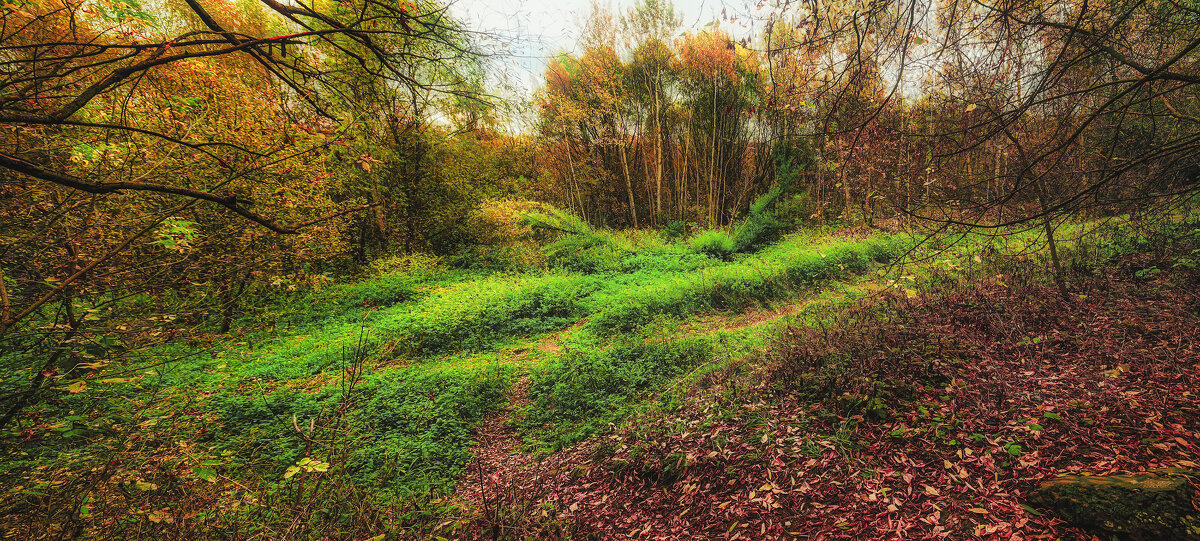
(978, 510)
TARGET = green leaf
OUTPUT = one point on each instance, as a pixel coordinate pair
(115, 380)
(1031, 510)
(207, 474)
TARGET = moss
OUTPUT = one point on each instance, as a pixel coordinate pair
(1153, 505)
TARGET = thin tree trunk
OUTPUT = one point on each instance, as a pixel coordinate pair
(628, 183)
(712, 163)
(1048, 227)
(658, 157)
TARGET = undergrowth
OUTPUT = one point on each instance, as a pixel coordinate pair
(437, 350)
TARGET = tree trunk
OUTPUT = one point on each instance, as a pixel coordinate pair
(658, 157)
(1048, 227)
(628, 181)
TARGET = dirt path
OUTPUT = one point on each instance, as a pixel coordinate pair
(499, 483)
(550, 343)
(496, 454)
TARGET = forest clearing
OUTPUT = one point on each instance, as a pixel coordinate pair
(820, 270)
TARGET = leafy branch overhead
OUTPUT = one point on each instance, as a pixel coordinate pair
(66, 71)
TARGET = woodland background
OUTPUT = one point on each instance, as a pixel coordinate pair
(183, 175)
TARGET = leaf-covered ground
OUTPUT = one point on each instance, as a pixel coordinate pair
(916, 418)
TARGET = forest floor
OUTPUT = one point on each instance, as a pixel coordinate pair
(812, 389)
(974, 396)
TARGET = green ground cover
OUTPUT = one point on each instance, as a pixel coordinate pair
(408, 361)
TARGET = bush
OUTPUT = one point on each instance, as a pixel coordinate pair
(714, 243)
(771, 274)
(460, 317)
(676, 229)
(499, 237)
(405, 264)
(550, 218)
(587, 253)
(761, 226)
(665, 262)
(579, 247)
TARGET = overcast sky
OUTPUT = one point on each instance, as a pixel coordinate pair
(529, 32)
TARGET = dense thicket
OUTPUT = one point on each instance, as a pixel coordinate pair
(183, 181)
(161, 163)
(986, 113)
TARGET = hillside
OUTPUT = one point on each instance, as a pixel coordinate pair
(811, 388)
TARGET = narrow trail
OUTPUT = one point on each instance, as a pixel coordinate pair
(499, 470)
(760, 316)
(497, 451)
(497, 454)
(550, 343)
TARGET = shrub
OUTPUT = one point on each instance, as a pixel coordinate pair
(405, 264)
(586, 253)
(770, 274)
(761, 226)
(550, 218)
(579, 247)
(676, 229)
(460, 317)
(714, 243)
(499, 237)
(665, 262)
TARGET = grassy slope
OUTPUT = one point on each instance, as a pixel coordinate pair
(932, 414)
(444, 341)
(442, 349)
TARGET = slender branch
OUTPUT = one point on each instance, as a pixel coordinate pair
(230, 201)
(5, 310)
